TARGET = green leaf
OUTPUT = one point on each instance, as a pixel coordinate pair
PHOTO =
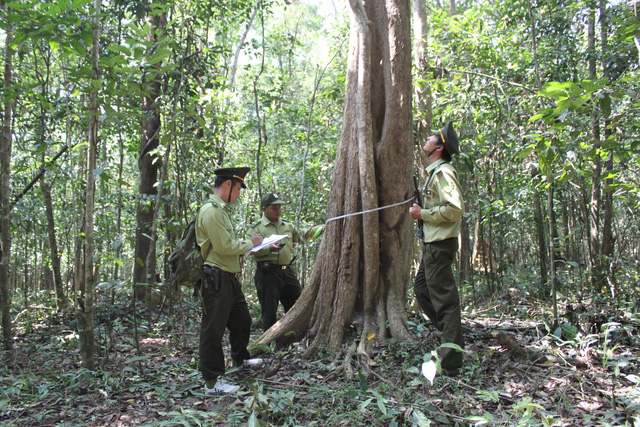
(420, 419)
(77, 4)
(453, 346)
(253, 420)
(55, 46)
(364, 404)
(19, 6)
(525, 152)
(160, 55)
(118, 48)
(581, 100)
(116, 260)
(563, 104)
(77, 46)
(136, 358)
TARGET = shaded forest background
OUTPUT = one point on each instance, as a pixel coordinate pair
(114, 122)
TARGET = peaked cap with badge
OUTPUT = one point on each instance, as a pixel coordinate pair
(236, 173)
(449, 138)
(271, 199)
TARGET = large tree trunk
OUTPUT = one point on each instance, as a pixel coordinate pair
(85, 313)
(148, 164)
(5, 185)
(364, 262)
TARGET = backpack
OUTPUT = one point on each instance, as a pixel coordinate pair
(186, 260)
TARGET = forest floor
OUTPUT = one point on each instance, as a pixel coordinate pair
(517, 372)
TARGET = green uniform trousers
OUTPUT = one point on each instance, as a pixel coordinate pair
(223, 309)
(275, 285)
(437, 294)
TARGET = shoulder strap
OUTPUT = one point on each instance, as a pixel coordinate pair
(208, 202)
(426, 187)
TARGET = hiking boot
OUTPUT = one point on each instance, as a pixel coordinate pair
(250, 363)
(221, 388)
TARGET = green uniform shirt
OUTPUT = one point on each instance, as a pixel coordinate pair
(266, 228)
(216, 237)
(443, 205)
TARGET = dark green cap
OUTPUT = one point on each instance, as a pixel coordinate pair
(449, 138)
(271, 199)
(236, 173)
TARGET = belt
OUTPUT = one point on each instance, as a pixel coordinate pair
(226, 273)
(221, 272)
(447, 240)
(268, 265)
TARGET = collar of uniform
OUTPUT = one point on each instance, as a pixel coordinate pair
(218, 200)
(265, 221)
(432, 166)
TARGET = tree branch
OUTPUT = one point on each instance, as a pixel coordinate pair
(39, 175)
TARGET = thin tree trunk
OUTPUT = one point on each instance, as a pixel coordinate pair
(552, 255)
(5, 185)
(453, 10)
(539, 217)
(318, 79)
(542, 243)
(171, 131)
(53, 245)
(422, 90)
(236, 56)
(597, 276)
(262, 139)
(148, 164)
(607, 220)
(85, 312)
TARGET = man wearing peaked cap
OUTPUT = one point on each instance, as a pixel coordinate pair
(235, 173)
(441, 213)
(275, 280)
(224, 304)
(449, 138)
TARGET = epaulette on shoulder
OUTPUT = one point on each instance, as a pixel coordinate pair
(255, 223)
(286, 220)
(444, 167)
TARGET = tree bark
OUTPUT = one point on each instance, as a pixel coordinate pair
(422, 90)
(373, 168)
(53, 245)
(552, 254)
(607, 247)
(542, 243)
(84, 313)
(148, 164)
(5, 184)
(597, 276)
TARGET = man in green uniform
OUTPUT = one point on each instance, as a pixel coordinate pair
(435, 286)
(275, 280)
(224, 304)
